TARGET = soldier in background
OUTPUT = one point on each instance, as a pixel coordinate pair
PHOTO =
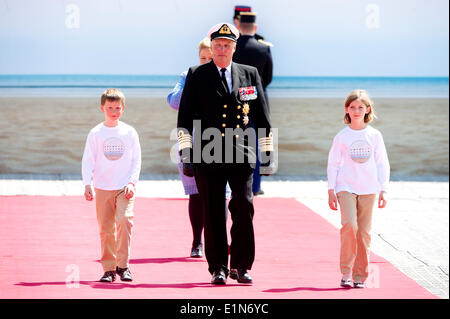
(237, 13)
(255, 53)
(244, 9)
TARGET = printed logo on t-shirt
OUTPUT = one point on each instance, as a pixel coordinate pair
(113, 148)
(360, 151)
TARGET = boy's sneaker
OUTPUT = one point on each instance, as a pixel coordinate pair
(124, 273)
(358, 284)
(108, 276)
(346, 281)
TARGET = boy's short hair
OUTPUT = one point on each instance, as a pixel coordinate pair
(362, 96)
(112, 95)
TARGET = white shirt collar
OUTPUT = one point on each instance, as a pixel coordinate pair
(228, 69)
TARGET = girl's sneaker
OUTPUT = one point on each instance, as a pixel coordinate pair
(358, 284)
(346, 282)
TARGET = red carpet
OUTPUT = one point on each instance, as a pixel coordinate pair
(47, 242)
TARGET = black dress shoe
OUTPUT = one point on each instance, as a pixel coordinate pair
(108, 276)
(197, 252)
(244, 277)
(124, 273)
(233, 274)
(219, 278)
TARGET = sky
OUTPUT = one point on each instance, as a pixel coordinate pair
(310, 38)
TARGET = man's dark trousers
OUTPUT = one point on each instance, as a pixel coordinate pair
(211, 180)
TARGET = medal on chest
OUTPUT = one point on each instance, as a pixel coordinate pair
(246, 110)
(248, 93)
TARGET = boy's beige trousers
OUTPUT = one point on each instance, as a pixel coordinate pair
(114, 211)
(356, 220)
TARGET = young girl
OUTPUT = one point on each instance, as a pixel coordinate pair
(358, 169)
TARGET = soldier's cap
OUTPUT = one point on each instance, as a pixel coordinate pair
(247, 17)
(224, 31)
(239, 9)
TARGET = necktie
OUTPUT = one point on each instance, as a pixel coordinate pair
(224, 80)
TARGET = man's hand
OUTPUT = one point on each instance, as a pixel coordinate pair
(268, 167)
(129, 191)
(185, 158)
(88, 194)
(332, 200)
(188, 169)
(382, 200)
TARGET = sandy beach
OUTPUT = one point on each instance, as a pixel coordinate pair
(47, 135)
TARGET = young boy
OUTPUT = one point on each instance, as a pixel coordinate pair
(112, 161)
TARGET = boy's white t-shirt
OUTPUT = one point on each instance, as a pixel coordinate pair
(358, 162)
(112, 157)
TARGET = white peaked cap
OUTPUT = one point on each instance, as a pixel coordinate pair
(223, 30)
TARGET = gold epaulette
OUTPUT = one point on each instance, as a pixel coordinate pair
(266, 143)
(184, 140)
(265, 42)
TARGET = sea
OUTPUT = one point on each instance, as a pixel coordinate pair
(88, 85)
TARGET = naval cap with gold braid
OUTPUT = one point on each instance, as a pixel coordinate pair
(224, 31)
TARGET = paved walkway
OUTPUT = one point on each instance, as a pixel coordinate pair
(412, 232)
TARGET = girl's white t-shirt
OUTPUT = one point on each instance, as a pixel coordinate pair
(358, 162)
(112, 157)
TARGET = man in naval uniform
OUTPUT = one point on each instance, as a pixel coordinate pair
(219, 99)
(252, 52)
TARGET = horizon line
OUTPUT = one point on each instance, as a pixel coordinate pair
(275, 76)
